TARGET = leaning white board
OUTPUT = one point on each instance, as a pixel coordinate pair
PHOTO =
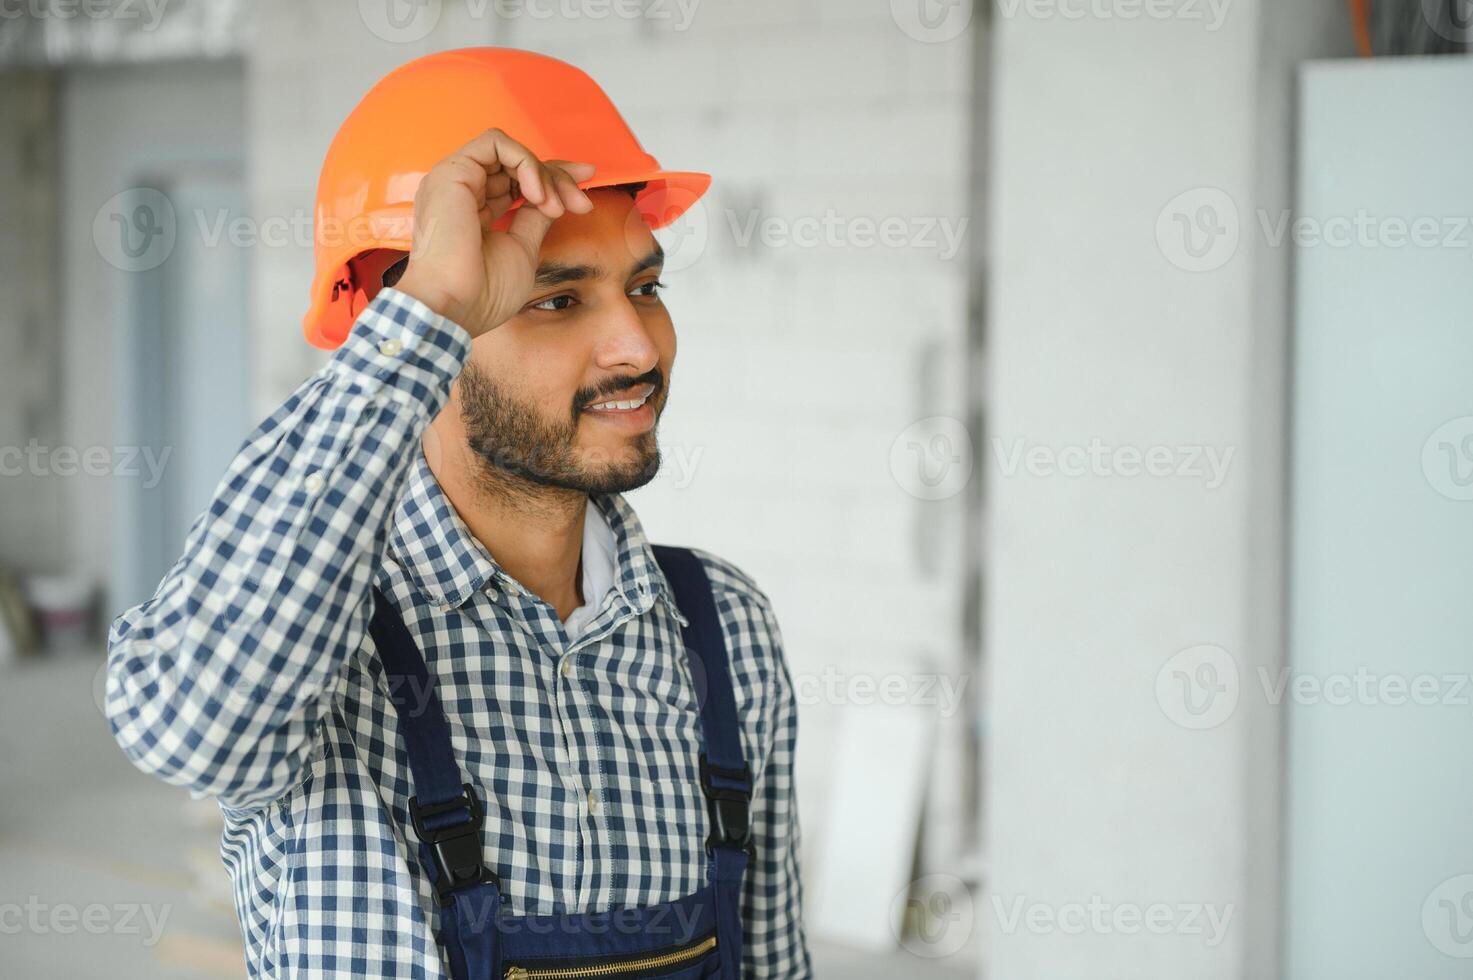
(1379, 854)
(881, 765)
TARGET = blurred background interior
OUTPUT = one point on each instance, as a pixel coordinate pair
(1086, 381)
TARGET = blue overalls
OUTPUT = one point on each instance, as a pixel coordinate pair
(699, 935)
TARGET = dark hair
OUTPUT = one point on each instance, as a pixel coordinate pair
(393, 273)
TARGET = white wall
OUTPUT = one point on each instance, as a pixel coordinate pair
(1116, 778)
(1380, 860)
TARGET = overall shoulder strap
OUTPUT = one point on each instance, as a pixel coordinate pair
(421, 719)
(445, 810)
(725, 777)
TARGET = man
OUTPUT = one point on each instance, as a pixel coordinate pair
(418, 646)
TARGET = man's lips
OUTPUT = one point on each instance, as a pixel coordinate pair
(628, 400)
(631, 410)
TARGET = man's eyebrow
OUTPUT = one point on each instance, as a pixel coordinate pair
(652, 259)
(556, 274)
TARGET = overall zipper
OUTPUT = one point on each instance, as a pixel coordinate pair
(613, 969)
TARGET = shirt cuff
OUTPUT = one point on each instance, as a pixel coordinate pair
(400, 344)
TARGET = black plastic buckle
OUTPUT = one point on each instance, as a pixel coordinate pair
(731, 819)
(457, 848)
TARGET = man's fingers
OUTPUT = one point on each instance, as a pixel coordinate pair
(569, 173)
(566, 186)
(575, 169)
(509, 167)
(498, 185)
(502, 169)
(529, 226)
(493, 150)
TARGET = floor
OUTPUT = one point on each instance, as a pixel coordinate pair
(109, 872)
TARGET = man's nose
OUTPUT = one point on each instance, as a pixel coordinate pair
(625, 342)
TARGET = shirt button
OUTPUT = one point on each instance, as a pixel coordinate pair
(390, 347)
(592, 802)
(567, 668)
(313, 482)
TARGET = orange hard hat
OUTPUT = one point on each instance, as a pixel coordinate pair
(422, 111)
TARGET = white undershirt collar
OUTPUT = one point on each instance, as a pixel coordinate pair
(598, 570)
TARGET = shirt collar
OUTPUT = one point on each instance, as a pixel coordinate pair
(598, 558)
(447, 564)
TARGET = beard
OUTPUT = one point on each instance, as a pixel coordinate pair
(519, 445)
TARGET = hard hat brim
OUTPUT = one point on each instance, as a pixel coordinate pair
(668, 194)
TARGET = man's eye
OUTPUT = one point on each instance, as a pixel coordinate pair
(554, 303)
(648, 289)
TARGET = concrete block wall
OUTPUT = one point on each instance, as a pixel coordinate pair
(31, 369)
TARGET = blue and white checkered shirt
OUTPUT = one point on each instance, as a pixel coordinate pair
(250, 676)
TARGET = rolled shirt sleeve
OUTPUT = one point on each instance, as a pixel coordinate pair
(218, 681)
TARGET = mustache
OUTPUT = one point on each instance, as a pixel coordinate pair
(588, 395)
